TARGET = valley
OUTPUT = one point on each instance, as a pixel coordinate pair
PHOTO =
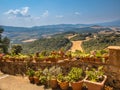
(69, 37)
(19, 34)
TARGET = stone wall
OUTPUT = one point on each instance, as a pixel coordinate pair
(14, 68)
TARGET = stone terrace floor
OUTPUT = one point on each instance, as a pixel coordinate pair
(9, 82)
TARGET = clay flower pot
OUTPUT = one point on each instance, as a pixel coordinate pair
(95, 85)
(30, 73)
(64, 85)
(77, 85)
(53, 83)
(36, 80)
(31, 79)
(98, 60)
(91, 59)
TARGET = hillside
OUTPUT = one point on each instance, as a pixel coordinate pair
(19, 34)
(102, 41)
(55, 37)
(45, 44)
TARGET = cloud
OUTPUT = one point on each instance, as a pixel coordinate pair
(59, 16)
(77, 13)
(45, 14)
(23, 12)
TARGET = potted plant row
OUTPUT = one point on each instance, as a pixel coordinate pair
(53, 77)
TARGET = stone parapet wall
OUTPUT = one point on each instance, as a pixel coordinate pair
(14, 68)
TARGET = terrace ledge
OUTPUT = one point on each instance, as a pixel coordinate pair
(114, 47)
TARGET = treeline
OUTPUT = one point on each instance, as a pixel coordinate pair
(47, 44)
(101, 42)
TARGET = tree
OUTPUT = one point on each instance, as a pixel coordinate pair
(5, 44)
(1, 31)
(16, 49)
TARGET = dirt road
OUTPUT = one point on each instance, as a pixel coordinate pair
(76, 46)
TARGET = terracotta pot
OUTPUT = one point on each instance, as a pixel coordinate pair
(53, 60)
(98, 60)
(92, 60)
(86, 59)
(31, 79)
(53, 83)
(36, 59)
(95, 85)
(64, 85)
(36, 80)
(77, 85)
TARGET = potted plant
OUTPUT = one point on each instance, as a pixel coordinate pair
(47, 75)
(43, 80)
(53, 82)
(86, 58)
(95, 79)
(98, 59)
(37, 76)
(63, 81)
(30, 73)
(51, 74)
(76, 78)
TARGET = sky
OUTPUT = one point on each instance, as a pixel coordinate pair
(28, 13)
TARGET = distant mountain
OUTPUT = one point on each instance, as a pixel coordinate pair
(20, 34)
(112, 23)
(63, 26)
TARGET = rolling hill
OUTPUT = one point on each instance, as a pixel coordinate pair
(19, 34)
